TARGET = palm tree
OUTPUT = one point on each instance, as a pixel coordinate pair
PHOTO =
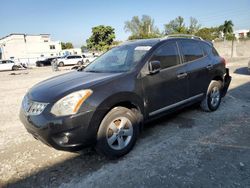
(227, 27)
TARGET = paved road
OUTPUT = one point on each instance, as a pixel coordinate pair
(190, 148)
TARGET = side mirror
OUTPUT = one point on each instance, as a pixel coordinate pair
(154, 67)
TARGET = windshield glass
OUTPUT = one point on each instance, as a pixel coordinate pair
(119, 59)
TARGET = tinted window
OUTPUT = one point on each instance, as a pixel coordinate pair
(191, 50)
(215, 53)
(119, 59)
(167, 54)
(70, 57)
(207, 49)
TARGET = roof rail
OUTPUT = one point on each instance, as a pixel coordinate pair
(182, 36)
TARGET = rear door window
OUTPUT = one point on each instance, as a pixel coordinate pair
(191, 50)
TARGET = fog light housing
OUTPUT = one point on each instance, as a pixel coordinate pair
(62, 140)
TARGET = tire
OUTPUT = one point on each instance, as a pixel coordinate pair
(213, 97)
(87, 61)
(61, 64)
(14, 68)
(114, 141)
(79, 63)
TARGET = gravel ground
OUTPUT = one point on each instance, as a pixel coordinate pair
(190, 148)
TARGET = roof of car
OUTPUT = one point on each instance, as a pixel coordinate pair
(143, 42)
(152, 42)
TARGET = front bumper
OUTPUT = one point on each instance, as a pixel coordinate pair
(227, 81)
(69, 133)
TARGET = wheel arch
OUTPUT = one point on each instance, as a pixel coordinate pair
(124, 99)
(217, 78)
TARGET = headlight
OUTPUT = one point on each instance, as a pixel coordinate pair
(71, 103)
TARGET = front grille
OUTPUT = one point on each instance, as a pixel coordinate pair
(32, 107)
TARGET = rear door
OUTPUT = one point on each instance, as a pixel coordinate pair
(165, 89)
(198, 66)
(69, 60)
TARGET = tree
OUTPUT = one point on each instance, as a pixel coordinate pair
(141, 28)
(208, 33)
(83, 48)
(67, 45)
(176, 26)
(227, 28)
(248, 34)
(194, 26)
(102, 38)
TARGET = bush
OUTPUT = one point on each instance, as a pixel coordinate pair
(230, 37)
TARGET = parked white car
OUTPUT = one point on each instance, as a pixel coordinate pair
(70, 60)
(9, 65)
(88, 58)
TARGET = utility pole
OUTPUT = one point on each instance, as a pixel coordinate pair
(233, 49)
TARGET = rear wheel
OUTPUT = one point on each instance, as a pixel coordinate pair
(15, 68)
(61, 64)
(79, 63)
(213, 97)
(117, 133)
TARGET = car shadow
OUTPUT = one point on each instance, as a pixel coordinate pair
(89, 161)
(242, 70)
(82, 164)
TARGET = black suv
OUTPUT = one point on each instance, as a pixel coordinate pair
(106, 104)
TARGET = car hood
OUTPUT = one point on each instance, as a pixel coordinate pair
(55, 88)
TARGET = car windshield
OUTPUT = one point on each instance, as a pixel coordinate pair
(119, 59)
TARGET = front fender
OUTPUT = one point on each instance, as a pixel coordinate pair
(110, 102)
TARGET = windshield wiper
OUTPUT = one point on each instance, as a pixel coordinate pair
(95, 71)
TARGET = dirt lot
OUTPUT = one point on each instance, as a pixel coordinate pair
(188, 149)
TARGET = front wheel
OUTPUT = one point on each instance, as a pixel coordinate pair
(61, 64)
(117, 133)
(213, 97)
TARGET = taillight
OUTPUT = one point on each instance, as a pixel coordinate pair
(223, 60)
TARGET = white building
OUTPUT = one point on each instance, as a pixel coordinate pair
(28, 48)
(72, 51)
(241, 33)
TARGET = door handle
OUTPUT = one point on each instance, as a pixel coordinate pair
(209, 67)
(181, 75)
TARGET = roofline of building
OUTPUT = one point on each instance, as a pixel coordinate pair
(24, 34)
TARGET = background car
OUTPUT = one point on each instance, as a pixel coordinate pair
(70, 60)
(88, 58)
(9, 65)
(249, 65)
(45, 62)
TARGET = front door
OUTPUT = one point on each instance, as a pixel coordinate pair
(167, 88)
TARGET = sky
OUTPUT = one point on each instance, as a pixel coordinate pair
(72, 20)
